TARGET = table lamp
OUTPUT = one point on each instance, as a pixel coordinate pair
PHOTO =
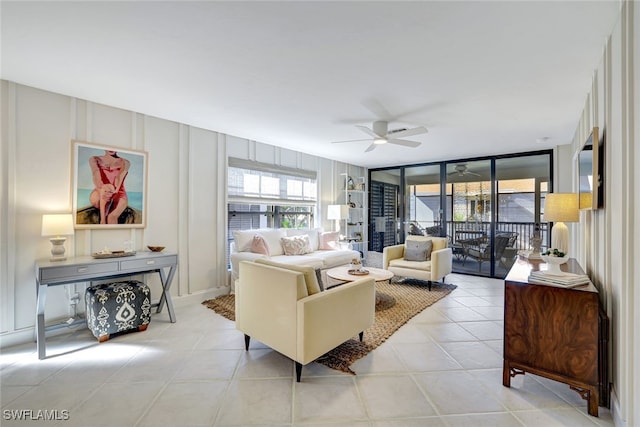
(58, 226)
(337, 213)
(560, 208)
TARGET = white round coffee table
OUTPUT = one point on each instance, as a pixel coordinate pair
(383, 301)
(342, 273)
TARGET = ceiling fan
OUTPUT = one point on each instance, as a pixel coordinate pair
(380, 134)
(461, 170)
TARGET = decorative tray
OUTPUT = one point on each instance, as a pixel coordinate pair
(114, 254)
(358, 272)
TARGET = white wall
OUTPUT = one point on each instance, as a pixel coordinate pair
(608, 247)
(186, 194)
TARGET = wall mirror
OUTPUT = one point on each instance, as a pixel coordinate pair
(590, 172)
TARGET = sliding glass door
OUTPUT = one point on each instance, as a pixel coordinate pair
(489, 209)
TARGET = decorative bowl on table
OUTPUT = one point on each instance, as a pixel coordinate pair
(155, 248)
(554, 260)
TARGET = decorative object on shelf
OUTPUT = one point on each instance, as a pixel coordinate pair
(554, 259)
(111, 254)
(560, 208)
(350, 185)
(536, 243)
(355, 265)
(337, 213)
(360, 272)
(109, 186)
(357, 235)
(350, 203)
(57, 226)
(360, 186)
(156, 248)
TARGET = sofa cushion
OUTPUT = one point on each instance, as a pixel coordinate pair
(418, 250)
(295, 245)
(309, 273)
(415, 265)
(259, 245)
(329, 241)
(243, 239)
(313, 234)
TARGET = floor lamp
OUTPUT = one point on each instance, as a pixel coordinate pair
(560, 208)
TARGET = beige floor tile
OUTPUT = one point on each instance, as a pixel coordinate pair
(120, 404)
(328, 399)
(425, 357)
(559, 417)
(199, 404)
(476, 420)
(208, 365)
(484, 330)
(451, 393)
(446, 332)
(263, 363)
(473, 355)
(393, 397)
(257, 402)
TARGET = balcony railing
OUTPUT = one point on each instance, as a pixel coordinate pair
(465, 230)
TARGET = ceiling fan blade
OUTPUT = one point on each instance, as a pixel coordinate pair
(409, 132)
(378, 110)
(351, 140)
(368, 131)
(405, 142)
(370, 148)
(472, 173)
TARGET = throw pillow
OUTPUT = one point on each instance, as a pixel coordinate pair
(309, 273)
(329, 241)
(296, 245)
(418, 250)
(259, 245)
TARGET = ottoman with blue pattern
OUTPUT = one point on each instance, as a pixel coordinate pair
(117, 307)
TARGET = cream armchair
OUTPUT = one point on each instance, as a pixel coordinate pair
(440, 264)
(273, 306)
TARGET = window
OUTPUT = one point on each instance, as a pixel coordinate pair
(268, 196)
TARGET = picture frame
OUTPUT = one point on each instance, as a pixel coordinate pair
(109, 186)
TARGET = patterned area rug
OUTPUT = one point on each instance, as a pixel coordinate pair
(397, 302)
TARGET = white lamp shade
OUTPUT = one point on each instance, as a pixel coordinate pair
(561, 207)
(57, 225)
(337, 212)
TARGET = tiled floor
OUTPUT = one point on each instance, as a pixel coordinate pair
(443, 368)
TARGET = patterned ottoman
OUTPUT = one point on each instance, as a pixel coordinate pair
(117, 307)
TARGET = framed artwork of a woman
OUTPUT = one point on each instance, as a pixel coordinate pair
(109, 186)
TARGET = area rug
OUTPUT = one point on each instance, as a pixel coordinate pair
(397, 302)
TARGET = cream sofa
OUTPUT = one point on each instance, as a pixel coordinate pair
(284, 309)
(318, 258)
(440, 264)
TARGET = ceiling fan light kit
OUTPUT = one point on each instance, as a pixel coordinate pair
(380, 134)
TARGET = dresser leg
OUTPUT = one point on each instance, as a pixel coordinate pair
(506, 374)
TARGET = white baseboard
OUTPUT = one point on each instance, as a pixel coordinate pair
(615, 411)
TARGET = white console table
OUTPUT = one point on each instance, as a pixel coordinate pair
(87, 268)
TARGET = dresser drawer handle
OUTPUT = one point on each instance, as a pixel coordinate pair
(151, 262)
(82, 269)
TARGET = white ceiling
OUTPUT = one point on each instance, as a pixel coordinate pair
(483, 77)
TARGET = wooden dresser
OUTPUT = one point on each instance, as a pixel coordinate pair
(557, 333)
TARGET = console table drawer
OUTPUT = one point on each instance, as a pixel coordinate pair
(154, 262)
(74, 271)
